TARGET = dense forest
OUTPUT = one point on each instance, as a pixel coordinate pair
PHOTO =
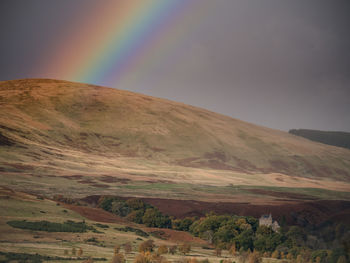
(340, 139)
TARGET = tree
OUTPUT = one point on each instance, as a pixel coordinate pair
(154, 218)
(254, 257)
(143, 258)
(185, 248)
(120, 208)
(118, 258)
(136, 204)
(208, 235)
(289, 256)
(183, 224)
(341, 259)
(163, 249)
(244, 239)
(146, 246)
(135, 216)
(299, 259)
(296, 236)
(218, 252)
(172, 249)
(127, 247)
(116, 249)
(232, 250)
(80, 252)
(275, 254)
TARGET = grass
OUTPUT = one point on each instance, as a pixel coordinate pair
(19, 242)
(312, 193)
(75, 124)
(182, 187)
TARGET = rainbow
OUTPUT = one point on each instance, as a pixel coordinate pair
(111, 38)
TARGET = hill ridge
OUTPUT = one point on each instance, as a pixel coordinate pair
(51, 125)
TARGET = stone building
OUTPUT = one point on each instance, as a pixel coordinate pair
(266, 220)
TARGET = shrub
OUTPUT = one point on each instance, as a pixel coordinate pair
(137, 231)
(275, 254)
(232, 250)
(68, 226)
(127, 247)
(146, 246)
(116, 249)
(254, 257)
(135, 216)
(154, 218)
(183, 224)
(143, 258)
(172, 249)
(218, 252)
(102, 225)
(341, 259)
(163, 249)
(185, 248)
(118, 258)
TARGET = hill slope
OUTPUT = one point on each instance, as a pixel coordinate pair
(335, 138)
(51, 127)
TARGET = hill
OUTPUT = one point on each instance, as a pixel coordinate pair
(79, 138)
(335, 138)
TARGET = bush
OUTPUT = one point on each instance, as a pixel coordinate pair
(102, 225)
(146, 246)
(183, 224)
(172, 249)
(143, 258)
(127, 247)
(118, 258)
(185, 248)
(137, 231)
(116, 249)
(218, 252)
(68, 226)
(163, 249)
(34, 258)
(154, 218)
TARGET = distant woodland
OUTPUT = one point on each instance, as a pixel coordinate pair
(340, 139)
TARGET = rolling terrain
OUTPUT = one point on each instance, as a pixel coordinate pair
(66, 147)
(79, 139)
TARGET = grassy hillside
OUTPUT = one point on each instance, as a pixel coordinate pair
(17, 206)
(335, 138)
(51, 129)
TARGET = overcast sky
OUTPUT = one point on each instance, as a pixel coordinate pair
(280, 64)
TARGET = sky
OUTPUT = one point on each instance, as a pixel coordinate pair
(280, 64)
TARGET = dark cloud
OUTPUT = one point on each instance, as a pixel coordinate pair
(281, 64)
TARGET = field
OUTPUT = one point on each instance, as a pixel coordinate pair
(20, 206)
(84, 142)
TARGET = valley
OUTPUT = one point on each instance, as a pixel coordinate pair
(81, 142)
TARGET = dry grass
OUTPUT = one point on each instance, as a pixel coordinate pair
(62, 129)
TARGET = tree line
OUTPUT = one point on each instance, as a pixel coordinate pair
(324, 243)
